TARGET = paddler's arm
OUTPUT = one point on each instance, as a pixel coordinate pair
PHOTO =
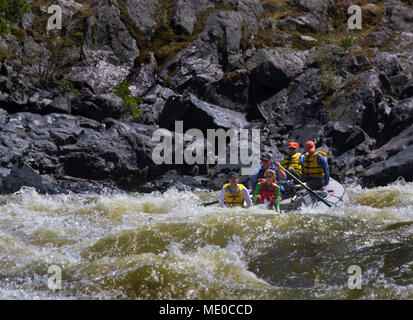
(256, 192)
(222, 198)
(281, 173)
(246, 197)
(277, 203)
(322, 161)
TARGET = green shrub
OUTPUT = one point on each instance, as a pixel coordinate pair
(65, 84)
(328, 70)
(131, 103)
(11, 12)
(347, 42)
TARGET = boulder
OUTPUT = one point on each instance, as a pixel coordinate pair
(143, 13)
(399, 17)
(313, 5)
(390, 161)
(231, 91)
(154, 102)
(141, 80)
(198, 114)
(401, 116)
(344, 136)
(193, 68)
(184, 16)
(60, 104)
(98, 73)
(63, 145)
(407, 90)
(315, 17)
(99, 107)
(21, 175)
(357, 100)
(356, 63)
(272, 70)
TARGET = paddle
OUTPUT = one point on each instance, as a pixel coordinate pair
(210, 203)
(305, 186)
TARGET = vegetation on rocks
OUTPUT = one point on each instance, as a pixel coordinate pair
(131, 103)
(11, 12)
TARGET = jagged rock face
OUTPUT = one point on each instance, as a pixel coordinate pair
(101, 31)
(401, 116)
(109, 49)
(202, 62)
(391, 160)
(66, 145)
(356, 103)
(196, 66)
(278, 88)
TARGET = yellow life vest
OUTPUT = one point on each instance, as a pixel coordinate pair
(311, 168)
(292, 162)
(233, 198)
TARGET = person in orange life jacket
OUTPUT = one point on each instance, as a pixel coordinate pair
(315, 168)
(268, 191)
(234, 194)
(266, 163)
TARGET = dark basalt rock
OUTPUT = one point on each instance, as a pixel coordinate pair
(62, 145)
(390, 161)
(99, 107)
(198, 114)
(21, 175)
(401, 116)
(407, 90)
(345, 137)
(357, 101)
(272, 70)
(226, 77)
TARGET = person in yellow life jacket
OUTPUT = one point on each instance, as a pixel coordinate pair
(268, 191)
(293, 162)
(315, 168)
(234, 194)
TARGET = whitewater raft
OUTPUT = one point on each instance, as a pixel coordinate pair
(335, 195)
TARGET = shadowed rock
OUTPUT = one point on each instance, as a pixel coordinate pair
(22, 175)
(198, 114)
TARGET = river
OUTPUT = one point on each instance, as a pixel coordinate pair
(168, 246)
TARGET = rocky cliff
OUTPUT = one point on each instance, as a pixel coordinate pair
(80, 104)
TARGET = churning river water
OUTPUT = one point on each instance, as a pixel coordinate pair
(168, 246)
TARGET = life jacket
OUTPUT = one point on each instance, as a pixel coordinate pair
(268, 193)
(311, 168)
(233, 198)
(292, 162)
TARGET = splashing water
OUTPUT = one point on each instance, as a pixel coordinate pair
(168, 246)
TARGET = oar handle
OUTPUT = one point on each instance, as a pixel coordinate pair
(308, 188)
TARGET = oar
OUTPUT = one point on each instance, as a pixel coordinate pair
(210, 203)
(305, 186)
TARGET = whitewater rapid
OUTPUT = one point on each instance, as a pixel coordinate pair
(169, 246)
